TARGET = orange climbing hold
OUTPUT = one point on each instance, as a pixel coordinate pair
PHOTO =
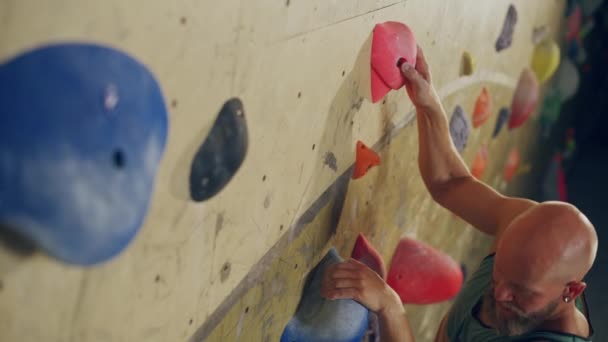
(421, 274)
(366, 159)
(511, 165)
(367, 254)
(480, 162)
(483, 106)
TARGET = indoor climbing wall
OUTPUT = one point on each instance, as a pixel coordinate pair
(271, 94)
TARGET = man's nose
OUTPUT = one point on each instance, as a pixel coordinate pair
(502, 293)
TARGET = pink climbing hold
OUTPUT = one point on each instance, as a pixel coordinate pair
(364, 252)
(379, 88)
(421, 274)
(525, 98)
(393, 43)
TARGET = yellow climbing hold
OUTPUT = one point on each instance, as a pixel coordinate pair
(468, 64)
(545, 59)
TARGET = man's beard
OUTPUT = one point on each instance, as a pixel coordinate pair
(522, 322)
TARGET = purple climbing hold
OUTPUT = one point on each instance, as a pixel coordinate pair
(459, 128)
(508, 27)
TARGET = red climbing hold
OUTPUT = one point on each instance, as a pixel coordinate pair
(366, 159)
(421, 274)
(367, 254)
(392, 44)
(573, 24)
(483, 106)
(525, 99)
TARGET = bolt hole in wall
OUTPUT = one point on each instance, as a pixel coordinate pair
(118, 157)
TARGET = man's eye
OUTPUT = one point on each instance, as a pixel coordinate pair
(528, 294)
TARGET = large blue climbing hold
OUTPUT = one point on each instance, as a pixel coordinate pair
(321, 320)
(82, 132)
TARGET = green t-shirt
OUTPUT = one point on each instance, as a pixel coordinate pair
(463, 326)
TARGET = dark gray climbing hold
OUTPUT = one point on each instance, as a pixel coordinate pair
(221, 154)
(508, 27)
(459, 128)
(503, 117)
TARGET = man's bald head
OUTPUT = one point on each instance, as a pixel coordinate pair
(541, 259)
(550, 241)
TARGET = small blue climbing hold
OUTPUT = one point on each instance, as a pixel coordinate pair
(321, 320)
(503, 117)
(82, 133)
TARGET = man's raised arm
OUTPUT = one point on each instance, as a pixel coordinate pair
(443, 171)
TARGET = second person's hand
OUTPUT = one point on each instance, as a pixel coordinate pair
(354, 280)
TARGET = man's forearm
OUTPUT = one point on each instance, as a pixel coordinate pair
(394, 326)
(438, 160)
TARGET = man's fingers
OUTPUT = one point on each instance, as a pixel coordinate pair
(410, 73)
(422, 66)
(333, 268)
(356, 262)
(346, 293)
(345, 274)
(347, 283)
(345, 265)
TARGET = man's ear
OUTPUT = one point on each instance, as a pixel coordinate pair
(574, 289)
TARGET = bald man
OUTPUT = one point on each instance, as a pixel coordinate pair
(528, 289)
